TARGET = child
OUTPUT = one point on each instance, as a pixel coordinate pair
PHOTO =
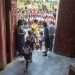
(26, 50)
(31, 40)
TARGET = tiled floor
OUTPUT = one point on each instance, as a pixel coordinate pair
(53, 64)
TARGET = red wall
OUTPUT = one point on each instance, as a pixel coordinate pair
(5, 36)
(2, 37)
(65, 33)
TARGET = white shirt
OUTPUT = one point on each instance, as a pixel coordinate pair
(51, 29)
(26, 50)
(41, 38)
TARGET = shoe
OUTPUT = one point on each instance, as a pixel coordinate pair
(44, 52)
(45, 55)
(30, 60)
(25, 71)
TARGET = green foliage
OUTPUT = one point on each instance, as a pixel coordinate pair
(24, 1)
(47, 5)
(27, 2)
(21, 0)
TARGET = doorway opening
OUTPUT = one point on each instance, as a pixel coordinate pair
(42, 10)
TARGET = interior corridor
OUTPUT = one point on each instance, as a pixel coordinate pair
(53, 64)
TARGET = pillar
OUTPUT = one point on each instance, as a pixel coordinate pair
(12, 23)
(65, 33)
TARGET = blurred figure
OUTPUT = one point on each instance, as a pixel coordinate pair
(46, 38)
(51, 34)
(30, 38)
(26, 50)
(35, 27)
(20, 40)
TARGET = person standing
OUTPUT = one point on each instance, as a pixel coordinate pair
(46, 38)
(35, 27)
(51, 34)
(20, 40)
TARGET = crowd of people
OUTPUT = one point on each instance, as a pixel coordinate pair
(29, 15)
(34, 39)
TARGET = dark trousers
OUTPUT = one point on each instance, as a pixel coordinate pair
(51, 42)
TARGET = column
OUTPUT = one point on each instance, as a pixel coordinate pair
(12, 19)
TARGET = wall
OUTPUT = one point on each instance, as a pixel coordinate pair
(7, 25)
